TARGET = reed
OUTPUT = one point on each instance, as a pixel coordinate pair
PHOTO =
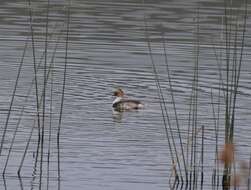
(63, 89)
(48, 71)
(174, 106)
(44, 94)
(4, 182)
(36, 81)
(192, 182)
(249, 173)
(10, 108)
(232, 79)
(178, 177)
(184, 160)
(195, 93)
(229, 70)
(50, 126)
(21, 183)
(23, 107)
(41, 97)
(165, 116)
(202, 157)
(216, 119)
(12, 98)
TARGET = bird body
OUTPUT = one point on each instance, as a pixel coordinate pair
(122, 104)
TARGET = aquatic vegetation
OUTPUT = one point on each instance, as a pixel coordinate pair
(226, 155)
(186, 140)
(40, 120)
(229, 69)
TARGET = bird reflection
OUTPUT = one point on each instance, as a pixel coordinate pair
(117, 116)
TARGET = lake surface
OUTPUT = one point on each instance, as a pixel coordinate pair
(107, 50)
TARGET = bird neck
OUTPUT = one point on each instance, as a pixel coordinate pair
(117, 99)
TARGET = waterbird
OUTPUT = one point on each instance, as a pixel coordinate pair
(122, 104)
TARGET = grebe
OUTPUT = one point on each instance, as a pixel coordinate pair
(121, 104)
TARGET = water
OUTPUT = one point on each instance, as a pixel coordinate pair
(108, 49)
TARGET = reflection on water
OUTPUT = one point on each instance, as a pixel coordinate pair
(22, 183)
(117, 116)
(102, 149)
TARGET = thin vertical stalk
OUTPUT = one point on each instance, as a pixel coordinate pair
(25, 150)
(227, 49)
(35, 78)
(26, 100)
(193, 160)
(20, 183)
(217, 138)
(12, 99)
(234, 66)
(44, 94)
(174, 106)
(249, 173)
(238, 70)
(163, 105)
(226, 174)
(50, 128)
(63, 90)
(216, 128)
(219, 65)
(202, 158)
(231, 103)
(4, 182)
(189, 127)
(11, 104)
